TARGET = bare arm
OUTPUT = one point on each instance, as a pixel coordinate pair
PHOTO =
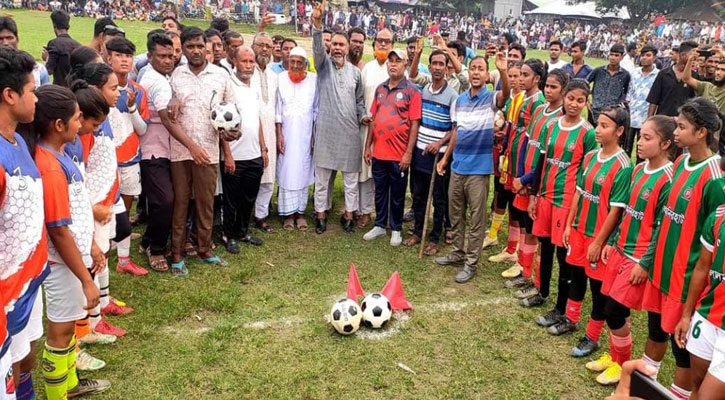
(687, 75)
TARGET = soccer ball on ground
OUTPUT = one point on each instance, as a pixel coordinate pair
(345, 316)
(226, 120)
(376, 310)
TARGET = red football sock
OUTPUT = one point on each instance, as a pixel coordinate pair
(573, 310)
(526, 258)
(594, 329)
(537, 275)
(620, 347)
(513, 239)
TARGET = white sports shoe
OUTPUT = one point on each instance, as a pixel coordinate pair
(488, 242)
(504, 257)
(86, 362)
(396, 238)
(375, 233)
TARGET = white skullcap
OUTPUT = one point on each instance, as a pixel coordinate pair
(299, 52)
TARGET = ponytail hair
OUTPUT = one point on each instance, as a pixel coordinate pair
(665, 128)
(90, 100)
(539, 69)
(578, 84)
(54, 103)
(95, 74)
(703, 113)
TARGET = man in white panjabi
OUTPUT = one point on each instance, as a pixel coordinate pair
(294, 117)
(373, 74)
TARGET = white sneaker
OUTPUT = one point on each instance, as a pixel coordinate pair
(512, 272)
(488, 242)
(504, 256)
(396, 238)
(375, 233)
(86, 362)
(97, 338)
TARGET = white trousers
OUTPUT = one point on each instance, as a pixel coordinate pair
(325, 184)
(366, 191)
(261, 207)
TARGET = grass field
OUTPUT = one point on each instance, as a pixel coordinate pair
(257, 329)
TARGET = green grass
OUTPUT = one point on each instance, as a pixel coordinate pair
(257, 329)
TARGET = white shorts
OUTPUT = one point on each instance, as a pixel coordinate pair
(6, 370)
(702, 336)
(64, 297)
(717, 364)
(20, 345)
(130, 180)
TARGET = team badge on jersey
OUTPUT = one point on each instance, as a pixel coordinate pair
(645, 194)
(687, 193)
(571, 146)
(600, 179)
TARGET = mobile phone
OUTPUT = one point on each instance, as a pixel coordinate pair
(647, 388)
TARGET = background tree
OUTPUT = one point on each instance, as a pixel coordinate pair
(640, 9)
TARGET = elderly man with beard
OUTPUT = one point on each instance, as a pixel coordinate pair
(294, 118)
(341, 108)
(244, 158)
(373, 74)
(264, 81)
(357, 45)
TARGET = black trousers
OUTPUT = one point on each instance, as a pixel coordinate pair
(159, 203)
(419, 185)
(240, 194)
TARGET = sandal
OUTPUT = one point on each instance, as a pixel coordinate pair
(431, 249)
(158, 263)
(263, 226)
(449, 237)
(289, 224)
(412, 241)
(214, 260)
(301, 223)
(189, 250)
(179, 270)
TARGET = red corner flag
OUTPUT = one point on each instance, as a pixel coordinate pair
(393, 290)
(354, 288)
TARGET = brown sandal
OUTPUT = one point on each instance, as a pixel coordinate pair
(289, 224)
(189, 250)
(449, 237)
(301, 223)
(431, 249)
(412, 241)
(263, 226)
(158, 263)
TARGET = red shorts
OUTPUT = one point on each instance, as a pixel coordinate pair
(550, 221)
(669, 308)
(521, 202)
(577, 255)
(616, 282)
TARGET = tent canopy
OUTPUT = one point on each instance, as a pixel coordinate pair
(586, 10)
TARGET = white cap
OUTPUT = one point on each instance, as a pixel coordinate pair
(299, 52)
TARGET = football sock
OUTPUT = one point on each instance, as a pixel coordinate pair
(513, 239)
(594, 329)
(55, 371)
(679, 392)
(655, 364)
(496, 222)
(25, 390)
(537, 274)
(620, 347)
(71, 363)
(103, 286)
(573, 311)
(124, 250)
(83, 327)
(527, 252)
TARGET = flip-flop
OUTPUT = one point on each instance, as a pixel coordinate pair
(189, 249)
(214, 260)
(158, 263)
(179, 270)
(431, 249)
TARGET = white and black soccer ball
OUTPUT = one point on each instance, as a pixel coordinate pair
(376, 310)
(345, 316)
(225, 118)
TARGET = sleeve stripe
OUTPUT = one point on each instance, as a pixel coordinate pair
(710, 248)
(59, 223)
(617, 204)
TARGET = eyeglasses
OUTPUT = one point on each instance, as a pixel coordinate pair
(265, 46)
(384, 41)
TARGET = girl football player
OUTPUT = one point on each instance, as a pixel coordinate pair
(697, 191)
(568, 139)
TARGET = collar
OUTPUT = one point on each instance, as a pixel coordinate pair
(430, 87)
(404, 84)
(483, 91)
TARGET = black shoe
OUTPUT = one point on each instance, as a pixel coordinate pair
(562, 327)
(348, 225)
(534, 301)
(320, 225)
(551, 318)
(253, 240)
(88, 386)
(585, 347)
(232, 246)
(409, 216)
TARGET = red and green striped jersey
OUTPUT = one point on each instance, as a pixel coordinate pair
(711, 304)
(647, 195)
(536, 132)
(603, 183)
(516, 148)
(564, 150)
(696, 192)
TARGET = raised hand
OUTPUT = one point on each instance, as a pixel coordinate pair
(502, 61)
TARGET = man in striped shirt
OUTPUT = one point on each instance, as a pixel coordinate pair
(472, 149)
(435, 131)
